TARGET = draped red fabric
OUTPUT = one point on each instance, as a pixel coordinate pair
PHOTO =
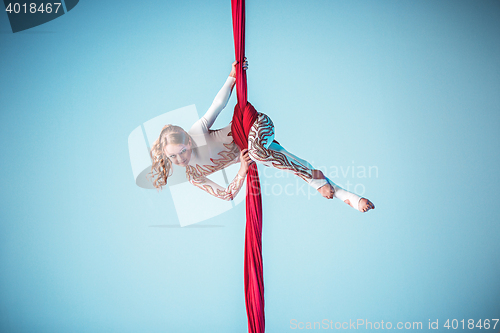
(243, 119)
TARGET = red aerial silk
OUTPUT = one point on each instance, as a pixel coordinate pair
(243, 119)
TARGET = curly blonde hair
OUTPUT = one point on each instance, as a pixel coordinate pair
(161, 168)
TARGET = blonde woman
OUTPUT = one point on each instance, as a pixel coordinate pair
(203, 151)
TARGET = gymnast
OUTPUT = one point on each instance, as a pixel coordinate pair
(203, 151)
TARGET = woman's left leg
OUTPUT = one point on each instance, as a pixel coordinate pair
(262, 149)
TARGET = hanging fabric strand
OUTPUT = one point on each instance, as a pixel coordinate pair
(243, 119)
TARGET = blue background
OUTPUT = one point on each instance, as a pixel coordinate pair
(408, 87)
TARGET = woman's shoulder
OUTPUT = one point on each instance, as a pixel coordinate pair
(223, 135)
(199, 130)
(199, 127)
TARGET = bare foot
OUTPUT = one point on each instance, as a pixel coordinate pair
(364, 205)
(327, 191)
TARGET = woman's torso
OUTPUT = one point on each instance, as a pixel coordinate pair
(215, 150)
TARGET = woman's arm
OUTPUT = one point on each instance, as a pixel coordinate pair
(218, 191)
(234, 187)
(220, 101)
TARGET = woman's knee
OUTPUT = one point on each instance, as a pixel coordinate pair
(253, 149)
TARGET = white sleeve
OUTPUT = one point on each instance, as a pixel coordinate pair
(219, 103)
(344, 195)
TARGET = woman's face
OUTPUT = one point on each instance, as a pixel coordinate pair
(179, 154)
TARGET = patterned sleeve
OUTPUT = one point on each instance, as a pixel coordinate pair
(218, 191)
(219, 103)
